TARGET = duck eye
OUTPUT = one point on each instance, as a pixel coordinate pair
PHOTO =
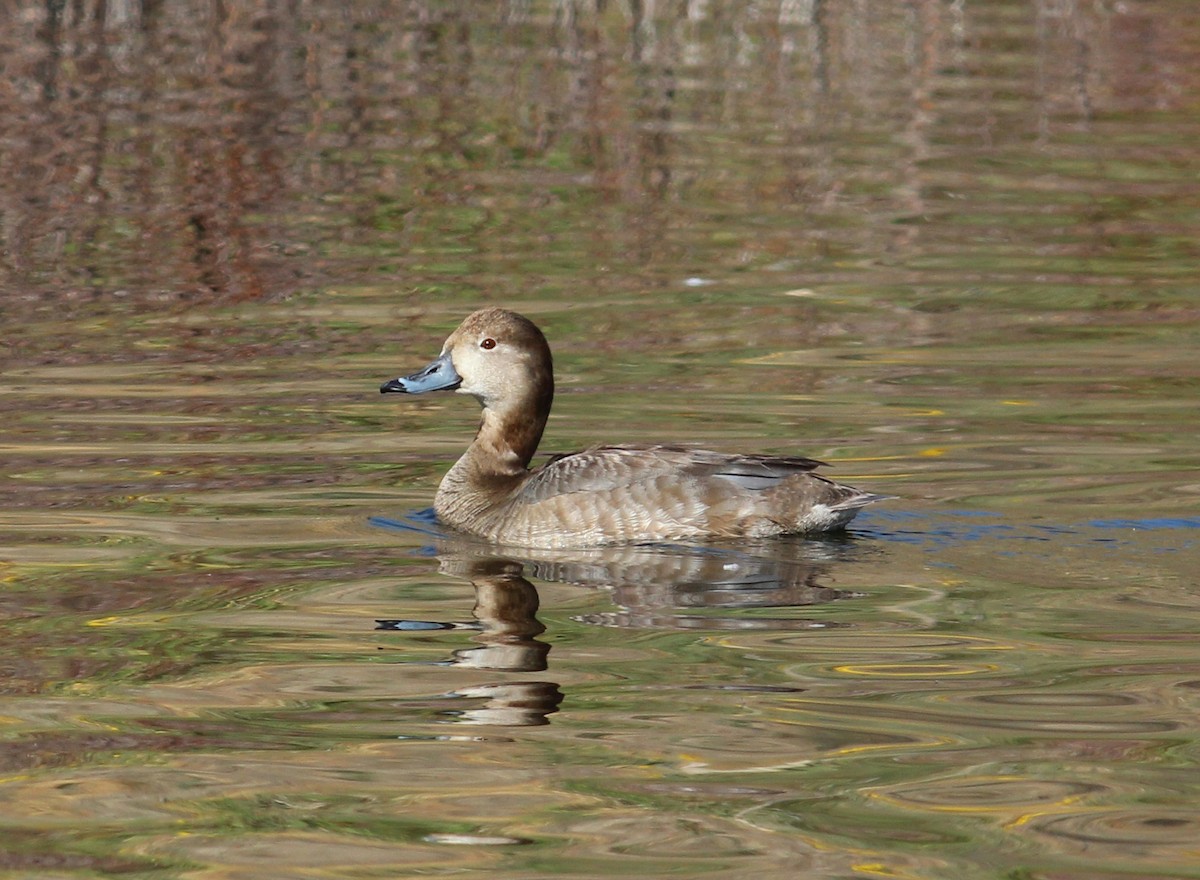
(488, 344)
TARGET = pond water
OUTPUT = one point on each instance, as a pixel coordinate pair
(948, 246)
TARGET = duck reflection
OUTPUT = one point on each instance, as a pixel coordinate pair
(652, 585)
(506, 628)
(703, 587)
(514, 704)
(505, 614)
(710, 586)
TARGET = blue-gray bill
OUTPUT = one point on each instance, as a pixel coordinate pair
(439, 375)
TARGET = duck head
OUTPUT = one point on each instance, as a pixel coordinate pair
(502, 360)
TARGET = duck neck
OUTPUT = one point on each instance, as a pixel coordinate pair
(508, 435)
(506, 442)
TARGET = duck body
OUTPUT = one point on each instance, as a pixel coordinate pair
(605, 494)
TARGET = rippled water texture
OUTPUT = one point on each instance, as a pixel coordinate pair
(949, 246)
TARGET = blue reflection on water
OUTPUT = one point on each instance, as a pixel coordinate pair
(933, 529)
(1169, 522)
(956, 526)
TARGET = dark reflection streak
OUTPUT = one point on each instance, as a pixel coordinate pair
(805, 170)
(444, 61)
(654, 59)
(1055, 26)
(587, 49)
(785, 93)
(339, 136)
(1083, 72)
(145, 185)
(356, 57)
(151, 14)
(593, 123)
(26, 209)
(819, 47)
(97, 71)
(226, 153)
(443, 104)
(1042, 75)
(50, 33)
(199, 152)
(263, 180)
(252, 173)
(924, 60)
(822, 118)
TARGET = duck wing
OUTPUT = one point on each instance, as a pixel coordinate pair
(609, 468)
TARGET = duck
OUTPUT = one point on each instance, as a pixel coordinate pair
(602, 495)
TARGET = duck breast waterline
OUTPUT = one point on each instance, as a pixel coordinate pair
(605, 494)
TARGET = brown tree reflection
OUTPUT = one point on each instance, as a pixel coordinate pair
(240, 150)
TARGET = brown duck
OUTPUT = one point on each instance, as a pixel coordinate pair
(605, 494)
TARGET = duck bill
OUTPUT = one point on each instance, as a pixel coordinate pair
(438, 376)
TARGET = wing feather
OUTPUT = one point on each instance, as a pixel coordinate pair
(606, 468)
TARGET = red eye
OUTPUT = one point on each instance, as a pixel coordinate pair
(488, 344)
